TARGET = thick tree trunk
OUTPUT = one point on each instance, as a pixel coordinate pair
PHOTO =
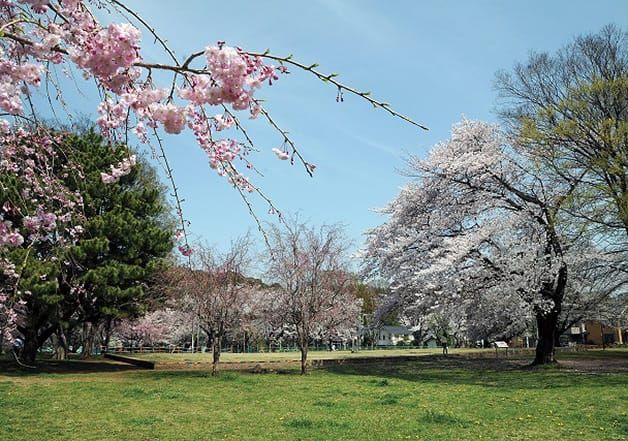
(545, 347)
(547, 322)
(31, 345)
(88, 340)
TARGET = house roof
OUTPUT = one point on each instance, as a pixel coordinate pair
(397, 330)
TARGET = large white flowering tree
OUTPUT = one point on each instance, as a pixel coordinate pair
(480, 229)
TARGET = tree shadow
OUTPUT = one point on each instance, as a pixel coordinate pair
(506, 374)
(11, 368)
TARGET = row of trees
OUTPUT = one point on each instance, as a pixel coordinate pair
(504, 225)
(309, 292)
(80, 233)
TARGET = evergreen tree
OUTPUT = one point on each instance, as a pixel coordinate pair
(127, 234)
(92, 263)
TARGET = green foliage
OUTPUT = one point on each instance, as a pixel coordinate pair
(570, 109)
(369, 296)
(127, 231)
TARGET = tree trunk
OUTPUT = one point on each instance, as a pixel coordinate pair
(303, 348)
(216, 342)
(547, 338)
(60, 345)
(547, 322)
(88, 340)
(31, 344)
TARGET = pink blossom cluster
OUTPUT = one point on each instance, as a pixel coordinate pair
(223, 150)
(281, 154)
(221, 153)
(140, 100)
(233, 78)
(46, 206)
(109, 55)
(223, 122)
(183, 247)
(9, 236)
(173, 118)
(185, 250)
(112, 116)
(8, 305)
(119, 170)
(11, 76)
(41, 221)
(242, 182)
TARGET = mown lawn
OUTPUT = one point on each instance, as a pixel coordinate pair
(429, 399)
(293, 355)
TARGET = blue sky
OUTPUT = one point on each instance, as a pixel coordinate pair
(434, 61)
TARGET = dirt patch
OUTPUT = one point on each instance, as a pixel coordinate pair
(606, 365)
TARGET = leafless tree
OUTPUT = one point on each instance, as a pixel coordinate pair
(310, 268)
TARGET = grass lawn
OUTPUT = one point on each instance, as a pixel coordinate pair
(427, 398)
(292, 355)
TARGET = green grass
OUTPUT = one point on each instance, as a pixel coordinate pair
(291, 355)
(425, 399)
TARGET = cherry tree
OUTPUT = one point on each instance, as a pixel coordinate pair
(154, 327)
(40, 219)
(46, 45)
(217, 292)
(315, 296)
(203, 93)
(266, 323)
(481, 220)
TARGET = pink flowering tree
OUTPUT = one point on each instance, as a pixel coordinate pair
(208, 92)
(154, 327)
(217, 292)
(314, 297)
(40, 219)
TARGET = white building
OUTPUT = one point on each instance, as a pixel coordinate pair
(391, 335)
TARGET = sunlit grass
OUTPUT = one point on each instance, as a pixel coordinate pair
(292, 355)
(423, 399)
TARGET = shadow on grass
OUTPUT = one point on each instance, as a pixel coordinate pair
(502, 374)
(601, 354)
(11, 368)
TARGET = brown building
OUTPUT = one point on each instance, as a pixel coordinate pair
(597, 333)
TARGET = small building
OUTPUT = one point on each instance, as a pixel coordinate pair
(391, 335)
(594, 332)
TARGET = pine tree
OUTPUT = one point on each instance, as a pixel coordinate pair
(128, 233)
(98, 271)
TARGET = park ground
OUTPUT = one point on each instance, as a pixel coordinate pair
(429, 397)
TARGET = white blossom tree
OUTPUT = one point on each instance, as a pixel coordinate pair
(481, 223)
